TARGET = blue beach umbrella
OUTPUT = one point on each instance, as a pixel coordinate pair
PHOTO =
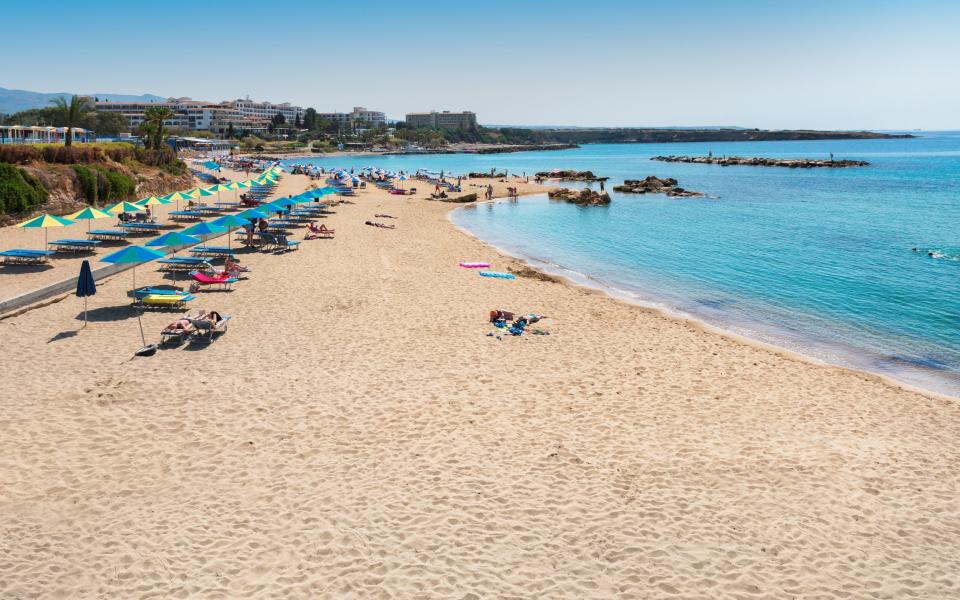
(174, 238)
(132, 255)
(253, 213)
(204, 228)
(86, 286)
(283, 202)
(135, 255)
(230, 221)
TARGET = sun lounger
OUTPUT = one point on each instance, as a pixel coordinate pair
(205, 330)
(175, 337)
(203, 280)
(181, 263)
(141, 227)
(19, 256)
(158, 291)
(108, 235)
(165, 301)
(214, 251)
(185, 215)
(74, 245)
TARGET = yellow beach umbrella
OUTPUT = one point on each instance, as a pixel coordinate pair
(201, 192)
(153, 201)
(45, 222)
(123, 207)
(88, 214)
(178, 196)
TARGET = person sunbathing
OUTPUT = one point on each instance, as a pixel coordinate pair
(385, 216)
(182, 324)
(375, 224)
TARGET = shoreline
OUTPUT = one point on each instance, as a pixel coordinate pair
(362, 430)
(674, 315)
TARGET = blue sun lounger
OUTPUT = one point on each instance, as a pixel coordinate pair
(141, 227)
(185, 215)
(181, 263)
(18, 256)
(216, 251)
(148, 291)
(112, 235)
(74, 245)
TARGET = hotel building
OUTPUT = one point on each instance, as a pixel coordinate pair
(443, 120)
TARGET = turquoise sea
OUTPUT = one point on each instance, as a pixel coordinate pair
(818, 261)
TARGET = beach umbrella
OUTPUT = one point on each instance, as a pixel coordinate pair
(202, 192)
(153, 201)
(402, 178)
(283, 202)
(174, 238)
(204, 228)
(230, 221)
(123, 207)
(88, 214)
(85, 286)
(45, 222)
(243, 184)
(253, 213)
(178, 196)
(135, 255)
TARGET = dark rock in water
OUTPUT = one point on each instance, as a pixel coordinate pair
(571, 175)
(582, 198)
(655, 185)
(461, 199)
(487, 175)
(792, 163)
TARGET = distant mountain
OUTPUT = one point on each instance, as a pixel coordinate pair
(12, 101)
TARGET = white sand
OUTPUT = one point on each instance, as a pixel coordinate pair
(356, 434)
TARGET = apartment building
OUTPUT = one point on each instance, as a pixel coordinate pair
(443, 120)
(357, 117)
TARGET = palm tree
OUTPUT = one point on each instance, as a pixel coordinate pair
(71, 113)
(155, 116)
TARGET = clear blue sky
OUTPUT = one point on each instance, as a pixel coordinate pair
(815, 63)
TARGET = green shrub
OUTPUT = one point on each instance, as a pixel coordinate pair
(114, 186)
(88, 183)
(19, 191)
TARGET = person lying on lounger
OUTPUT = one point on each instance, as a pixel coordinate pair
(380, 225)
(182, 324)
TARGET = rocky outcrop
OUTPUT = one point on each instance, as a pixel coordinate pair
(655, 185)
(65, 195)
(582, 198)
(487, 175)
(460, 199)
(571, 175)
(792, 163)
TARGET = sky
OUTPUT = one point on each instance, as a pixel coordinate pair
(839, 64)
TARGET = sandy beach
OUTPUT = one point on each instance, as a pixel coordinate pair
(357, 434)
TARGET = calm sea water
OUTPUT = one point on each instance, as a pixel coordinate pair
(819, 261)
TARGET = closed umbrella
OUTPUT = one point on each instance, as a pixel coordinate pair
(86, 287)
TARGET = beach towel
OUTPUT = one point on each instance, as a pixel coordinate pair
(499, 275)
(475, 265)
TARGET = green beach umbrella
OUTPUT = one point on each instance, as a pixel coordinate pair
(202, 192)
(153, 201)
(178, 196)
(88, 214)
(283, 202)
(45, 222)
(123, 207)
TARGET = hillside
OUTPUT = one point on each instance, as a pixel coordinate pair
(12, 101)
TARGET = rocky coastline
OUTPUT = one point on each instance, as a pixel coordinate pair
(584, 197)
(570, 175)
(655, 185)
(759, 161)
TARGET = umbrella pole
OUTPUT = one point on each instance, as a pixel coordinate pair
(139, 322)
(84, 311)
